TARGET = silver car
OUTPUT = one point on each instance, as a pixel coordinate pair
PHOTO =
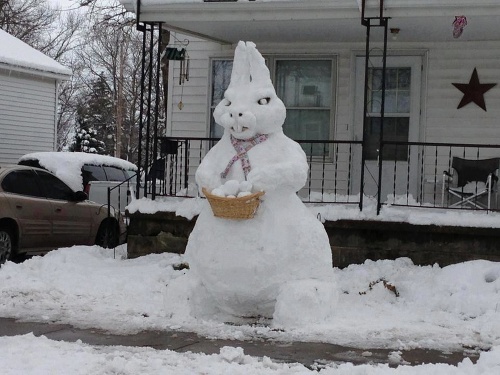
(39, 213)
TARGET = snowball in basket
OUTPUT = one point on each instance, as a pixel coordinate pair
(233, 189)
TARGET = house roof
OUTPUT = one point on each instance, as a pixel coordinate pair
(17, 55)
(319, 20)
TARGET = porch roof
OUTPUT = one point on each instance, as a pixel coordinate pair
(319, 20)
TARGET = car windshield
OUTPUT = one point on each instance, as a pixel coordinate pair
(115, 174)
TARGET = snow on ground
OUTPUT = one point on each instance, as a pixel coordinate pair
(383, 304)
(31, 355)
(191, 207)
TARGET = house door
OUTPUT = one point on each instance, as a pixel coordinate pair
(401, 123)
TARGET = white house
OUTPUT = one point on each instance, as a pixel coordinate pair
(316, 52)
(29, 83)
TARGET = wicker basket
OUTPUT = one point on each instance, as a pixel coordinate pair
(234, 208)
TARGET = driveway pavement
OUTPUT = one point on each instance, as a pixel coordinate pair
(309, 354)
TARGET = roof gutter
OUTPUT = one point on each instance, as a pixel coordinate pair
(36, 72)
(156, 11)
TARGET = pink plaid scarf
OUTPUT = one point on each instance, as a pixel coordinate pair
(242, 146)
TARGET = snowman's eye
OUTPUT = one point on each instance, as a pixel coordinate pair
(264, 101)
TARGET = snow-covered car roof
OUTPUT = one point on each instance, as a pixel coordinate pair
(68, 165)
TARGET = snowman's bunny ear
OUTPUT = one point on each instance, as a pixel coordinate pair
(241, 72)
(258, 69)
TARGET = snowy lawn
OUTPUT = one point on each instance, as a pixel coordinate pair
(383, 304)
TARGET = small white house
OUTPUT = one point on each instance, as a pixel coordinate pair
(442, 83)
(29, 83)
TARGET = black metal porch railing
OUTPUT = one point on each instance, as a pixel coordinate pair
(331, 169)
(417, 180)
(411, 172)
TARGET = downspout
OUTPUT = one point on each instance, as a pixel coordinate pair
(56, 105)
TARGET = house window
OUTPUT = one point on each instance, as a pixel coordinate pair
(221, 77)
(305, 85)
(396, 116)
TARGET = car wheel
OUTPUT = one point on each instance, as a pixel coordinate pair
(107, 235)
(6, 245)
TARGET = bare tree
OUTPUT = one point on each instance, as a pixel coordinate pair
(27, 20)
(114, 51)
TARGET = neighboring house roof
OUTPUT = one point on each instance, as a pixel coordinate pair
(18, 55)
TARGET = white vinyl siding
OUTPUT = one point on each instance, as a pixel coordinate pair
(27, 115)
(454, 63)
(439, 120)
(191, 120)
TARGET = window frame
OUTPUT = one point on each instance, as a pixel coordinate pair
(271, 61)
(391, 153)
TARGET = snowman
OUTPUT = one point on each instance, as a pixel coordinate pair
(241, 267)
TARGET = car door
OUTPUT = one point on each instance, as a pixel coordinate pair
(71, 220)
(31, 209)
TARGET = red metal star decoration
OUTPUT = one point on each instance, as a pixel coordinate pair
(473, 91)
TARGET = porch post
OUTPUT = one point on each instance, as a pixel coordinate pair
(148, 120)
(156, 113)
(142, 28)
(385, 22)
(366, 23)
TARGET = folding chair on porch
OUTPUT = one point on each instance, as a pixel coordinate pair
(471, 182)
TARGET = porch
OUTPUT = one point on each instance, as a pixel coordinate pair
(359, 159)
(406, 174)
(416, 219)
(425, 236)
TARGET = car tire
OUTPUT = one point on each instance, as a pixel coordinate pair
(6, 245)
(108, 234)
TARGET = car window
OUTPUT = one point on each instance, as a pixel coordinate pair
(54, 188)
(22, 182)
(31, 163)
(92, 173)
(115, 174)
(129, 173)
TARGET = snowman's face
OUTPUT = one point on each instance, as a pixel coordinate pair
(250, 110)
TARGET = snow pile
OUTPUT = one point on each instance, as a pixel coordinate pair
(386, 304)
(383, 304)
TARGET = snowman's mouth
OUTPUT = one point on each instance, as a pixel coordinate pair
(240, 129)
